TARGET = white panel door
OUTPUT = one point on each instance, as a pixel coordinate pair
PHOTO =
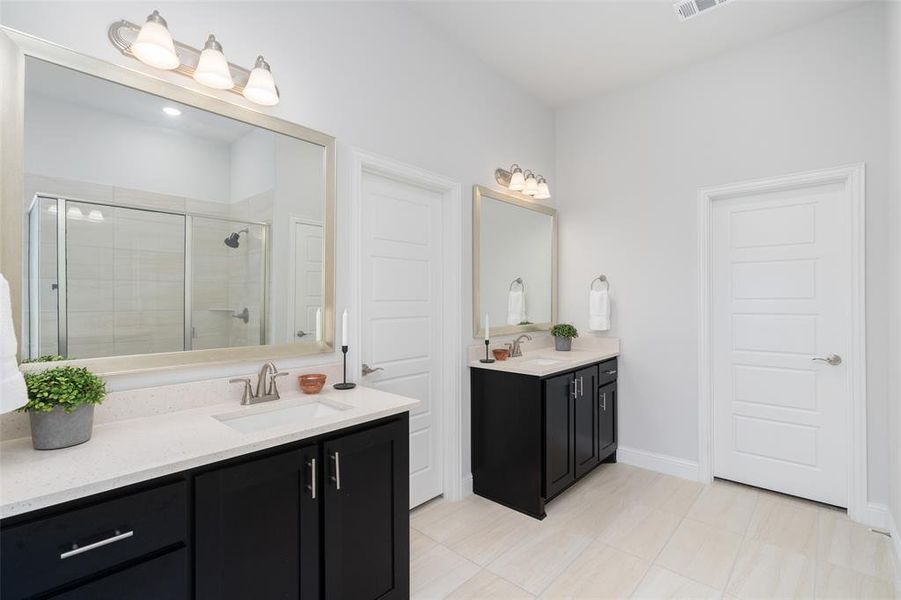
(401, 280)
(307, 280)
(781, 277)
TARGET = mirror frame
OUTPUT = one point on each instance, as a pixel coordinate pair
(478, 192)
(15, 46)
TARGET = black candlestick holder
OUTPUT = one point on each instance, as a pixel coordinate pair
(344, 385)
(486, 359)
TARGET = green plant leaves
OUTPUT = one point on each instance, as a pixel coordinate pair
(69, 387)
(564, 330)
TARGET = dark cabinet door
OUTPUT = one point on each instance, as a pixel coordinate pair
(559, 470)
(257, 528)
(366, 533)
(586, 420)
(606, 402)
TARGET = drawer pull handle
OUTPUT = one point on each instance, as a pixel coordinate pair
(610, 372)
(118, 537)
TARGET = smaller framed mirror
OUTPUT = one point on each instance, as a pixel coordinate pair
(514, 263)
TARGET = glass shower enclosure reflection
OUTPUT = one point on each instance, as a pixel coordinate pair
(108, 280)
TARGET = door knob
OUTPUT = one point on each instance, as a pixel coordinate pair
(367, 370)
(301, 333)
(832, 359)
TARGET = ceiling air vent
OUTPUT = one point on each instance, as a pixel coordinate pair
(687, 9)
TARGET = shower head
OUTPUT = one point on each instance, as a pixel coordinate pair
(232, 240)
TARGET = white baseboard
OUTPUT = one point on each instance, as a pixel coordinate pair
(892, 528)
(873, 515)
(669, 465)
(466, 487)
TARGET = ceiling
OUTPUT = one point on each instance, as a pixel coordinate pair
(564, 51)
(72, 87)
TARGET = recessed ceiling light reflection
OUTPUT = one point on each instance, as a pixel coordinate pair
(171, 111)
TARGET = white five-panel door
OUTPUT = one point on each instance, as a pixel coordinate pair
(780, 316)
(307, 280)
(401, 288)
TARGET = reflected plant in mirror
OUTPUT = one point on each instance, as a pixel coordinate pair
(153, 226)
(514, 262)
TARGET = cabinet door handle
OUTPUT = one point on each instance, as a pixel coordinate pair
(610, 372)
(604, 401)
(575, 388)
(337, 476)
(581, 386)
(118, 537)
(312, 485)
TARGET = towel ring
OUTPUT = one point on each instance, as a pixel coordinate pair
(600, 279)
(519, 281)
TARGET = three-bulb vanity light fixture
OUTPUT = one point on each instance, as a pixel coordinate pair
(525, 182)
(152, 44)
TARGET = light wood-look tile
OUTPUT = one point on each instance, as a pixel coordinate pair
(538, 560)
(701, 552)
(492, 538)
(725, 505)
(641, 530)
(845, 543)
(485, 585)
(436, 571)
(768, 571)
(784, 522)
(600, 572)
(838, 582)
(660, 584)
(672, 494)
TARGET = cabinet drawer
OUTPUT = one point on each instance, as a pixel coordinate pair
(49, 552)
(161, 578)
(607, 372)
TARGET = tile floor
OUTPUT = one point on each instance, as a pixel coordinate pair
(626, 532)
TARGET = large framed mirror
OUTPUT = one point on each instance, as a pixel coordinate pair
(156, 221)
(514, 263)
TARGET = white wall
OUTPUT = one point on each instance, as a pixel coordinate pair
(373, 75)
(893, 52)
(629, 166)
(70, 141)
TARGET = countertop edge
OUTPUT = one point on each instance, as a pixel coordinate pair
(507, 367)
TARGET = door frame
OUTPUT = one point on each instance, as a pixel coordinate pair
(295, 221)
(854, 179)
(450, 413)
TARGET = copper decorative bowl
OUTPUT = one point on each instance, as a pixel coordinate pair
(500, 353)
(311, 384)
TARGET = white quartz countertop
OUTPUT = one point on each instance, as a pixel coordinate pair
(129, 451)
(547, 361)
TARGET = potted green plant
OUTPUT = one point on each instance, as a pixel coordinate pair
(563, 336)
(61, 405)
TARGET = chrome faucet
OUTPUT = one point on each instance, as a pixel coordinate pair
(515, 349)
(266, 388)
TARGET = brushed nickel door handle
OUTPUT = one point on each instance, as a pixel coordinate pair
(833, 359)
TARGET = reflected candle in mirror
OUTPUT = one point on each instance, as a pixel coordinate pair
(318, 324)
(487, 329)
(344, 328)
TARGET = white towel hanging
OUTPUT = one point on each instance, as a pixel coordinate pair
(516, 307)
(599, 306)
(13, 393)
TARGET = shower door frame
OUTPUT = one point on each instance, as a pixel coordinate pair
(187, 295)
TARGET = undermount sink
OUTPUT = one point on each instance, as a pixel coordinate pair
(541, 362)
(264, 417)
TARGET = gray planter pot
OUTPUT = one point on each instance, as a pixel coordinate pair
(59, 429)
(563, 344)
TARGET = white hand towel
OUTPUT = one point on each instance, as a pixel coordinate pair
(516, 307)
(13, 393)
(599, 310)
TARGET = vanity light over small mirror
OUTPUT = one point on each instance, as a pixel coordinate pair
(152, 44)
(526, 182)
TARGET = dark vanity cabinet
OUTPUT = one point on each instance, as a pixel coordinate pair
(321, 518)
(532, 437)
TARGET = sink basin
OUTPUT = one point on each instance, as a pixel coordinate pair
(263, 417)
(541, 362)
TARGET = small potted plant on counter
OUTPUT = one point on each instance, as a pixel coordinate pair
(563, 336)
(61, 405)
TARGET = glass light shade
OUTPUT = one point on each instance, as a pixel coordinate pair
(154, 46)
(531, 187)
(260, 87)
(543, 191)
(517, 181)
(212, 68)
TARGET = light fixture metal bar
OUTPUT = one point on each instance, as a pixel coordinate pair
(123, 33)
